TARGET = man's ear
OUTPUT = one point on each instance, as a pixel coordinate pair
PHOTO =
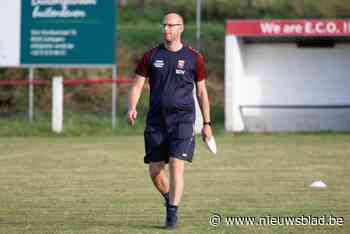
(182, 28)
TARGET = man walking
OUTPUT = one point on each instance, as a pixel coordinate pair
(172, 70)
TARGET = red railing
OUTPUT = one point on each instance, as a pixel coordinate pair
(66, 82)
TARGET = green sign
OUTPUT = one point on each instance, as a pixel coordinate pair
(68, 32)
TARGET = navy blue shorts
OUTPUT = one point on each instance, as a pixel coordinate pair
(162, 143)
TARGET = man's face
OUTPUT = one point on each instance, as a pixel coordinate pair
(172, 28)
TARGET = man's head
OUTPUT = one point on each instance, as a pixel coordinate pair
(173, 27)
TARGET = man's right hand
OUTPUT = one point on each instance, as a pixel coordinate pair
(132, 115)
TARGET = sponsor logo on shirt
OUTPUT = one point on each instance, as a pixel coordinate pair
(158, 64)
(180, 72)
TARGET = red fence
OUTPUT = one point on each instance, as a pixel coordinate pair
(66, 82)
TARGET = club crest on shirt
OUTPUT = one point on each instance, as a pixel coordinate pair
(180, 67)
(180, 64)
(158, 63)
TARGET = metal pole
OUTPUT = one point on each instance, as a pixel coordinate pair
(199, 119)
(31, 95)
(198, 20)
(114, 96)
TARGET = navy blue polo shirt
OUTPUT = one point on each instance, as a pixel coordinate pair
(171, 76)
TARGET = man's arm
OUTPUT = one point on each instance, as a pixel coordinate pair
(134, 96)
(203, 101)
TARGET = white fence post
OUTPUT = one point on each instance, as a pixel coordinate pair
(57, 104)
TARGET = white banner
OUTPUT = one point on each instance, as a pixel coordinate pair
(10, 23)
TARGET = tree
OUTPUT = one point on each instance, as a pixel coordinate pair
(246, 3)
(122, 3)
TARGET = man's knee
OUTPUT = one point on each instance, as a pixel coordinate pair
(176, 162)
(155, 169)
(154, 174)
(176, 166)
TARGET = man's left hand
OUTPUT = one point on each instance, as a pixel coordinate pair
(206, 132)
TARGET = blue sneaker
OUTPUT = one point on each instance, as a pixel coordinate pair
(171, 217)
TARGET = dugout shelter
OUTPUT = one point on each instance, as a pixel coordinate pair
(287, 75)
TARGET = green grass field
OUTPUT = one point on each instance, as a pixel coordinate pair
(100, 184)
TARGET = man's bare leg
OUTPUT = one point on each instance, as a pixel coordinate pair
(175, 190)
(176, 169)
(158, 176)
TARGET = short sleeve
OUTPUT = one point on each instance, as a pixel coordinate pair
(142, 66)
(201, 72)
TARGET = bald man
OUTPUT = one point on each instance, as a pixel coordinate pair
(172, 70)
